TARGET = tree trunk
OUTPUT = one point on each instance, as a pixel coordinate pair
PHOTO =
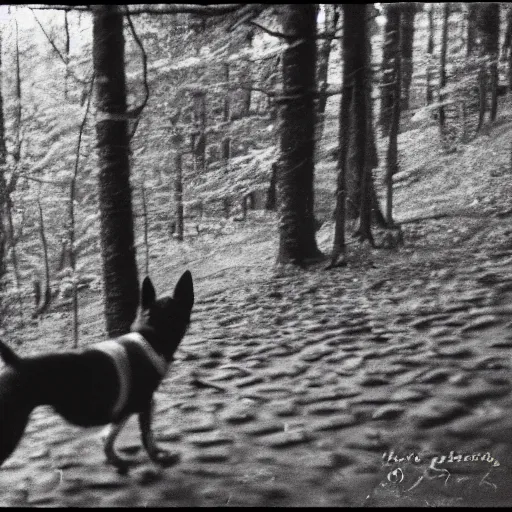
(324, 53)
(3, 183)
(507, 47)
(115, 201)
(271, 202)
(199, 100)
(178, 191)
(388, 77)
(295, 174)
(489, 28)
(353, 177)
(407, 44)
(372, 158)
(392, 153)
(355, 18)
(47, 290)
(146, 223)
(227, 99)
(430, 55)
(442, 68)
(345, 120)
(246, 79)
(66, 55)
(472, 28)
(226, 156)
(273, 82)
(226, 141)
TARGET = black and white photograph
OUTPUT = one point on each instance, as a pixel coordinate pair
(256, 255)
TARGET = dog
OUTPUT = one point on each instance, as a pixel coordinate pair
(104, 383)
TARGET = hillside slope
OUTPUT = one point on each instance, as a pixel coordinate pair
(324, 372)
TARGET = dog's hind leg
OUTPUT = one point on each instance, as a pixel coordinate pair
(155, 453)
(112, 433)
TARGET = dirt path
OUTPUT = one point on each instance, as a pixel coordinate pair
(326, 372)
(328, 375)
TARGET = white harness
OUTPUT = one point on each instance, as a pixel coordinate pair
(117, 352)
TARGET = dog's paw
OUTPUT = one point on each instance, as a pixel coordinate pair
(164, 457)
(120, 463)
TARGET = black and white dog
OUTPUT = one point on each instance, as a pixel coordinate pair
(104, 383)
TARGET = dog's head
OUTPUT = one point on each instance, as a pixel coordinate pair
(166, 318)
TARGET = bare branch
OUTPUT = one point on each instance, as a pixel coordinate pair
(50, 7)
(272, 32)
(206, 10)
(54, 46)
(246, 14)
(138, 110)
(41, 180)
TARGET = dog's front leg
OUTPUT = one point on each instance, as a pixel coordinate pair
(112, 433)
(155, 453)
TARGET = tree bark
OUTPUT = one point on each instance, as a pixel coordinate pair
(489, 28)
(295, 174)
(407, 45)
(345, 128)
(199, 101)
(471, 44)
(507, 47)
(442, 68)
(271, 202)
(392, 153)
(47, 290)
(388, 69)
(430, 55)
(324, 53)
(178, 190)
(145, 220)
(226, 141)
(3, 182)
(355, 18)
(115, 201)
(66, 55)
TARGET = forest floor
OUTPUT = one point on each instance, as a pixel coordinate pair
(325, 373)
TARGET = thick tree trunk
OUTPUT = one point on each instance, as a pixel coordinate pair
(507, 47)
(353, 176)
(407, 31)
(296, 167)
(388, 69)
(115, 201)
(355, 17)
(392, 153)
(372, 156)
(471, 44)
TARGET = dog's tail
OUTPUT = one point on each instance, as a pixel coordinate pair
(8, 355)
(16, 402)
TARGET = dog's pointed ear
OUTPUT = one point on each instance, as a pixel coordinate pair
(184, 291)
(148, 294)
